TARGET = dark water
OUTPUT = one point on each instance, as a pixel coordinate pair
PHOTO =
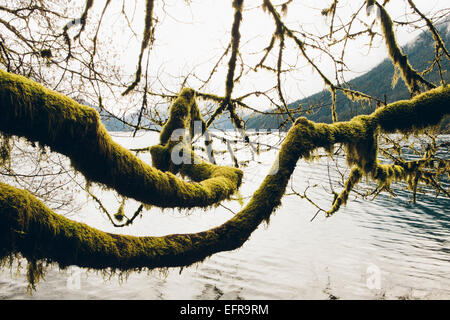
(388, 248)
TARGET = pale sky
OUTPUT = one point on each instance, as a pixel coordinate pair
(193, 37)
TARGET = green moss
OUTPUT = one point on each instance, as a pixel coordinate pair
(235, 39)
(28, 227)
(407, 116)
(230, 79)
(147, 38)
(5, 149)
(341, 199)
(183, 113)
(360, 138)
(42, 115)
(215, 180)
(40, 233)
(385, 174)
(411, 77)
(334, 116)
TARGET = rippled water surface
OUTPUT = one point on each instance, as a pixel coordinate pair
(388, 248)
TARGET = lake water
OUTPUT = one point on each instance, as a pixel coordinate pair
(388, 248)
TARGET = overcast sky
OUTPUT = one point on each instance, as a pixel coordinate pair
(192, 37)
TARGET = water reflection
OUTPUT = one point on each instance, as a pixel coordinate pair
(388, 248)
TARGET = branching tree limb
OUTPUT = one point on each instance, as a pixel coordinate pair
(411, 77)
(30, 228)
(30, 110)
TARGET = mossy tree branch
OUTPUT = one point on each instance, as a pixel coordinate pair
(230, 81)
(32, 111)
(146, 40)
(411, 77)
(30, 228)
(84, 16)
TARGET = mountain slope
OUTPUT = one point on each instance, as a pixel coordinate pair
(377, 82)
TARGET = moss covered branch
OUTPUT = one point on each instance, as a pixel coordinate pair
(41, 115)
(411, 77)
(28, 227)
(146, 40)
(84, 16)
(229, 82)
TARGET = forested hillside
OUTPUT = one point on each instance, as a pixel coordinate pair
(377, 83)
